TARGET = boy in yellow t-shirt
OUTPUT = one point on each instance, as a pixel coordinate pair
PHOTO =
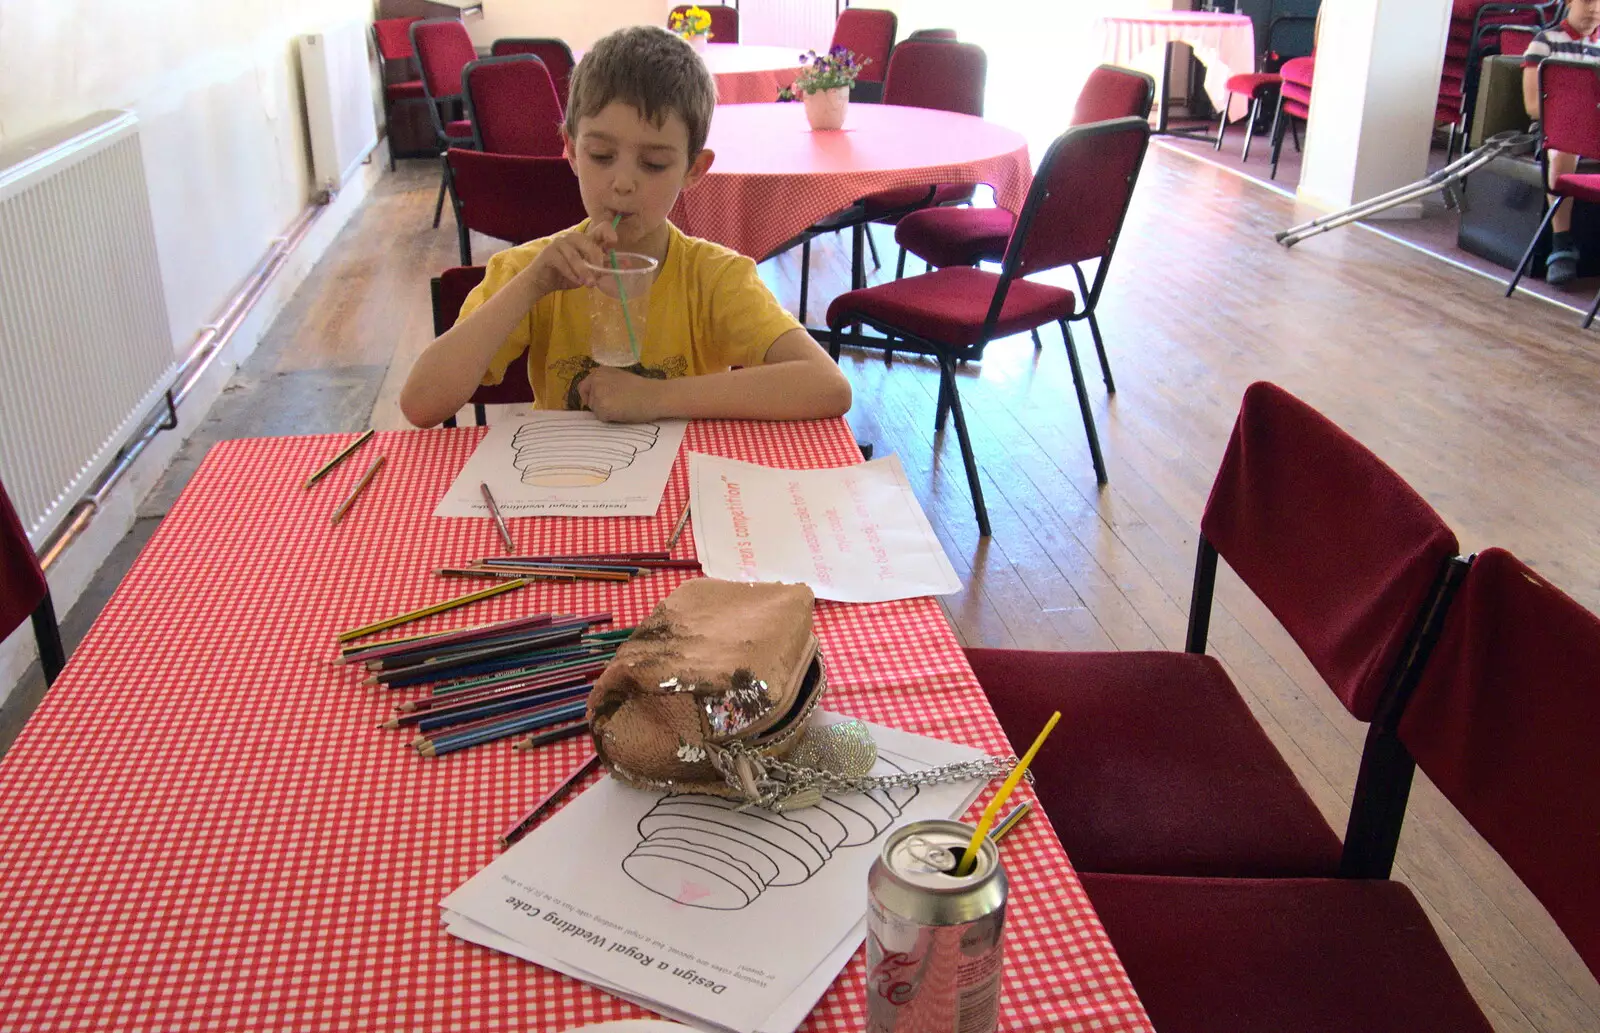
(639, 109)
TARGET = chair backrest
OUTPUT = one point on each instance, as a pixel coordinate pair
(948, 35)
(1114, 92)
(22, 583)
(555, 54)
(1288, 36)
(1504, 721)
(1075, 207)
(724, 20)
(868, 34)
(512, 105)
(937, 74)
(450, 289)
(393, 36)
(443, 49)
(1341, 549)
(1570, 98)
(1515, 40)
(513, 197)
(1299, 70)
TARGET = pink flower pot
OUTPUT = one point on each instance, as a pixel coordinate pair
(825, 109)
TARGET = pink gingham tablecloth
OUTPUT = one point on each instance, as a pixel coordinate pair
(205, 830)
(1224, 43)
(749, 73)
(773, 176)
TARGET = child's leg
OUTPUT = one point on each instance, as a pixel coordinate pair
(1562, 264)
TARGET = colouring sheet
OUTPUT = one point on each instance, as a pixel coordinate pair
(732, 919)
(558, 463)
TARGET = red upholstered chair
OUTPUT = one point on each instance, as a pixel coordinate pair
(450, 289)
(555, 54)
(391, 37)
(1476, 31)
(512, 106)
(1158, 766)
(1294, 102)
(512, 197)
(724, 20)
(948, 35)
(935, 74)
(966, 236)
(1503, 721)
(1262, 86)
(444, 50)
(1569, 94)
(867, 33)
(1073, 214)
(24, 592)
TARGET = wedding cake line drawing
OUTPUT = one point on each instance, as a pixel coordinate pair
(557, 455)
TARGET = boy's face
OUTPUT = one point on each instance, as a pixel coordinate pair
(629, 166)
(1584, 15)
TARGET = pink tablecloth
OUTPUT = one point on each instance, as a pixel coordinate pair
(748, 74)
(1224, 43)
(204, 829)
(773, 176)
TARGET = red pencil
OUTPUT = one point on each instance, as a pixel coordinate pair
(548, 804)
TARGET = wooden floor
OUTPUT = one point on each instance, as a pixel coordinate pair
(1487, 406)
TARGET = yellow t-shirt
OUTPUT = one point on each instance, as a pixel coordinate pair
(708, 311)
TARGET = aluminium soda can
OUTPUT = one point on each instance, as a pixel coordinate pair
(934, 940)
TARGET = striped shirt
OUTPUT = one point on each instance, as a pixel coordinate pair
(1564, 42)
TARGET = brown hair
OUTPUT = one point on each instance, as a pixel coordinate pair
(651, 69)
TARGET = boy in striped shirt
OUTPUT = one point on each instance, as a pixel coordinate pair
(1575, 39)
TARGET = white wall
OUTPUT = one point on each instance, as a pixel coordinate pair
(579, 22)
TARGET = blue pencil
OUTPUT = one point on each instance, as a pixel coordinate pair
(443, 744)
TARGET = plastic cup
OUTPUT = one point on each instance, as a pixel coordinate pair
(618, 303)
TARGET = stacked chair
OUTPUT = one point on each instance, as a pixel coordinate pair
(1294, 103)
(1474, 35)
(443, 51)
(1231, 903)
(391, 38)
(1262, 86)
(24, 592)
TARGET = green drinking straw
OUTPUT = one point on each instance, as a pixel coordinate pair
(622, 296)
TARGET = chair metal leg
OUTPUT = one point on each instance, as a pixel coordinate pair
(1592, 310)
(479, 414)
(872, 245)
(1277, 138)
(449, 421)
(1083, 405)
(1222, 123)
(1527, 256)
(1100, 350)
(1294, 134)
(1038, 345)
(900, 266)
(942, 407)
(464, 237)
(444, 179)
(47, 632)
(805, 277)
(858, 256)
(947, 374)
(1250, 126)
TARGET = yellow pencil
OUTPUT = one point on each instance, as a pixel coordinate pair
(970, 858)
(336, 460)
(429, 611)
(366, 478)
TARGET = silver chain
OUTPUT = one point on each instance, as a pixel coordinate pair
(794, 780)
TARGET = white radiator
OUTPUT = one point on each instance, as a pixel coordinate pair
(802, 24)
(85, 345)
(337, 78)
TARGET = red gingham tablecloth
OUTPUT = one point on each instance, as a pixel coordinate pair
(204, 829)
(773, 176)
(749, 74)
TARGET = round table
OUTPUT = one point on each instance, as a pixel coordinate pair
(748, 74)
(773, 176)
(1224, 43)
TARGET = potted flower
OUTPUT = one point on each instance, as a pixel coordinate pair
(824, 85)
(693, 24)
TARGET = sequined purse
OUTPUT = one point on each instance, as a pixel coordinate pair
(715, 692)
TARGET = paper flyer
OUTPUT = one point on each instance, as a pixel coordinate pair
(854, 534)
(735, 919)
(559, 463)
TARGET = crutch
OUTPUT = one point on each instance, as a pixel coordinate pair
(1496, 146)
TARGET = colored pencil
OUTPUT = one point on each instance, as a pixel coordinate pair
(550, 735)
(429, 611)
(624, 557)
(505, 677)
(546, 805)
(621, 564)
(530, 639)
(336, 460)
(441, 745)
(543, 573)
(391, 646)
(969, 857)
(428, 720)
(366, 479)
(499, 521)
(408, 677)
(1010, 821)
(576, 676)
(677, 530)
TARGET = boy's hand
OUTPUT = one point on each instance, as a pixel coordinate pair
(561, 266)
(620, 397)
